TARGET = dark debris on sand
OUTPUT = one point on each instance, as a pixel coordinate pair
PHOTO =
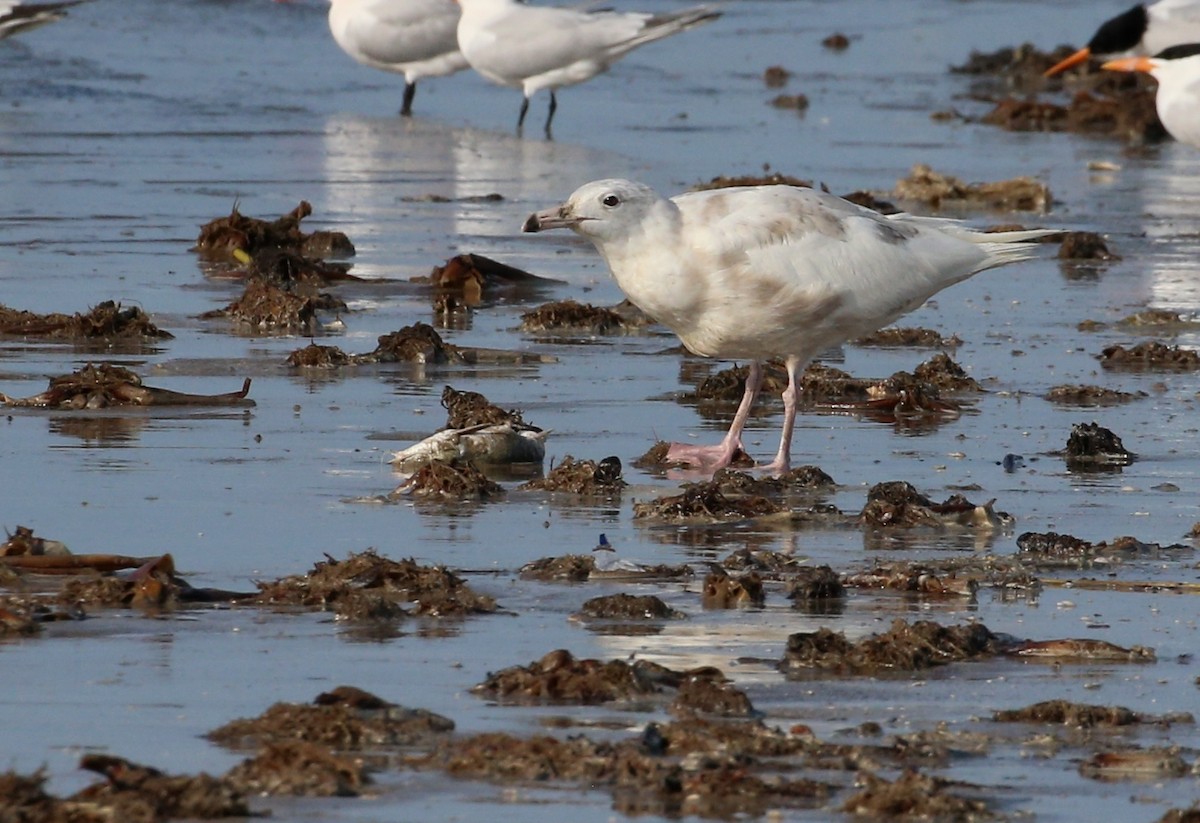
(469, 408)
(453, 480)
(627, 607)
(367, 585)
(474, 277)
(1085, 715)
(709, 501)
(582, 477)
(363, 724)
(896, 337)
(578, 568)
(915, 796)
(1150, 355)
(722, 590)
(898, 504)
(573, 317)
(107, 385)
(1087, 395)
(108, 321)
(1091, 445)
(938, 191)
(905, 647)
(267, 306)
(417, 343)
(299, 769)
(222, 237)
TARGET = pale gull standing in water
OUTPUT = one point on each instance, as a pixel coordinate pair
(1177, 99)
(771, 271)
(416, 38)
(537, 47)
(16, 16)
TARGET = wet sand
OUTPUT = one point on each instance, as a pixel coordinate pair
(126, 127)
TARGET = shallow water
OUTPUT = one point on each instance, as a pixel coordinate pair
(127, 126)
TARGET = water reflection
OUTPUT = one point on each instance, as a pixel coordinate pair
(1169, 186)
(108, 430)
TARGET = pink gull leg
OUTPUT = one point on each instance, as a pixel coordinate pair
(783, 459)
(711, 458)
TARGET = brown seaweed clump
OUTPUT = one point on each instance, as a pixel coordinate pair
(314, 356)
(583, 477)
(1085, 245)
(898, 504)
(1052, 547)
(939, 191)
(1150, 355)
(578, 568)
(418, 343)
(642, 780)
(1132, 118)
(560, 677)
(776, 77)
(131, 792)
(811, 588)
(368, 585)
(896, 337)
(141, 793)
(106, 385)
(913, 578)
(628, 607)
(266, 306)
(707, 502)
(24, 543)
(453, 480)
(300, 769)
(473, 276)
(467, 408)
(223, 236)
(767, 179)
(105, 321)
(1066, 713)
(570, 316)
(914, 796)
(723, 590)
(363, 725)
(1087, 395)
(904, 647)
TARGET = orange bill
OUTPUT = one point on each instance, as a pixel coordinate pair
(1130, 64)
(1072, 61)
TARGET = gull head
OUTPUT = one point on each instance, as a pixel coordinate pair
(601, 210)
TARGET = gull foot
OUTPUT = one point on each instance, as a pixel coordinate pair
(707, 459)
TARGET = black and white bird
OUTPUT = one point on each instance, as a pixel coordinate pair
(757, 272)
(1143, 29)
(415, 38)
(539, 47)
(17, 16)
(1177, 99)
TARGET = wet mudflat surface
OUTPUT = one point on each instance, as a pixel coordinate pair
(127, 127)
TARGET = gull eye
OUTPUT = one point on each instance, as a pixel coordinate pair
(611, 200)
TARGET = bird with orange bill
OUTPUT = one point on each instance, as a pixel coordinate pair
(1177, 100)
(1143, 29)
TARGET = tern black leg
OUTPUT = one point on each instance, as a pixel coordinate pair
(410, 91)
(521, 116)
(550, 116)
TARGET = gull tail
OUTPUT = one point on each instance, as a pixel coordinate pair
(1002, 247)
(664, 25)
(1005, 247)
